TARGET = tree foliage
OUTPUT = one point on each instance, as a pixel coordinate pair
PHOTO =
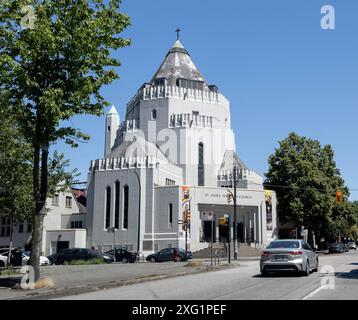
(306, 178)
(16, 200)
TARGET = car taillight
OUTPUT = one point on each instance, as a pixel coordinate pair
(296, 253)
(264, 253)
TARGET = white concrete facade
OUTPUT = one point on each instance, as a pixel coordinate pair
(61, 222)
(177, 132)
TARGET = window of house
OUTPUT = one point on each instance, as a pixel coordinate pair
(125, 207)
(21, 227)
(76, 224)
(170, 215)
(69, 202)
(55, 200)
(4, 227)
(108, 207)
(29, 227)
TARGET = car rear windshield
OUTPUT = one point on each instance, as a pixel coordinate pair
(284, 244)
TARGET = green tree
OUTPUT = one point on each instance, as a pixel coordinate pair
(16, 202)
(53, 65)
(306, 178)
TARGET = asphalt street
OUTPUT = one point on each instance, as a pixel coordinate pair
(338, 273)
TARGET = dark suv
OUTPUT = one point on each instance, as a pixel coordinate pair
(123, 255)
(65, 256)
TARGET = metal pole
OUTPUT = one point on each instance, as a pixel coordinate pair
(235, 218)
(139, 204)
(229, 239)
(186, 236)
(212, 240)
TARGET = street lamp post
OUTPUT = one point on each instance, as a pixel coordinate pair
(139, 205)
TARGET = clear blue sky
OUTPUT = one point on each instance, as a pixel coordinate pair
(271, 59)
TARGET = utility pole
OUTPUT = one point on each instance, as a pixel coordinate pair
(235, 218)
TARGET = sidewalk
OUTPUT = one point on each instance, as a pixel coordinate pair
(70, 280)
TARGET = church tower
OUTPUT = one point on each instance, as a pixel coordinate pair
(112, 126)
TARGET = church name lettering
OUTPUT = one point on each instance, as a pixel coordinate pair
(223, 196)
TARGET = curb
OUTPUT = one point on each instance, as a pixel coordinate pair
(63, 292)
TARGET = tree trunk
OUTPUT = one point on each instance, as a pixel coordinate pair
(40, 195)
(10, 242)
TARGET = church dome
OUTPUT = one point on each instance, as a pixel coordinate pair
(179, 69)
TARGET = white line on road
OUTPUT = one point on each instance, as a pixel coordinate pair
(312, 293)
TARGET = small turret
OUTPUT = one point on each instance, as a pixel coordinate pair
(112, 126)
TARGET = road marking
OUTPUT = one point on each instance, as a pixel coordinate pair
(313, 293)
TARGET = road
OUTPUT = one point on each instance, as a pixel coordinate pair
(246, 282)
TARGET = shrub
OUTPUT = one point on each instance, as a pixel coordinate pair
(87, 262)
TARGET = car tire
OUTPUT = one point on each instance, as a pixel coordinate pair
(2, 264)
(264, 273)
(306, 272)
(152, 259)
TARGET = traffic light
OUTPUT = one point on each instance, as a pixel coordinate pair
(229, 197)
(339, 197)
(188, 216)
(185, 217)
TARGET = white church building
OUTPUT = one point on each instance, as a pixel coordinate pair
(175, 151)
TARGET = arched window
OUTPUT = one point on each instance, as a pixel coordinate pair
(154, 114)
(125, 206)
(108, 207)
(170, 215)
(201, 164)
(116, 204)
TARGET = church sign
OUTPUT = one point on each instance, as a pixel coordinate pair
(248, 198)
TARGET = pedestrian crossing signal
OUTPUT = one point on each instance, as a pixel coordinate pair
(223, 222)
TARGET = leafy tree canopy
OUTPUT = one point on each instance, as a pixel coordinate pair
(306, 178)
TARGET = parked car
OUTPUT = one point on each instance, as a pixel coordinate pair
(123, 255)
(3, 261)
(44, 261)
(5, 255)
(352, 245)
(168, 254)
(65, 256)
(345, 247)
(52, 258)
(335, 248)
(288, 255)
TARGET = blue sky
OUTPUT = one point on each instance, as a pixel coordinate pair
(271, 59)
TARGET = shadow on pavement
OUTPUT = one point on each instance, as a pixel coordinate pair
(279, 275)
(353, 274)
(9, 282)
